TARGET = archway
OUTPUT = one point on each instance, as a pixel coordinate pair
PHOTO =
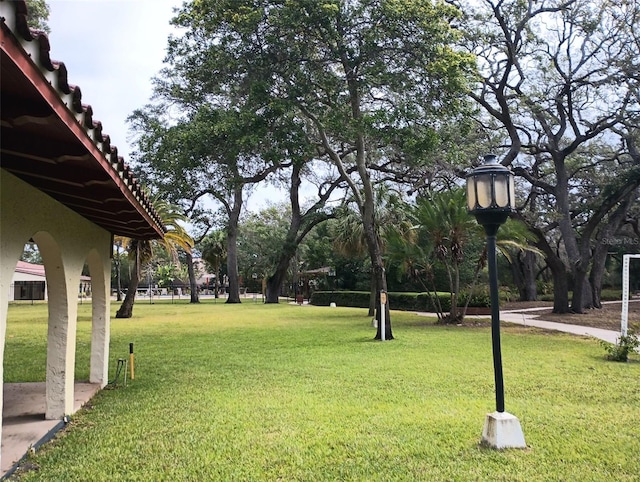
(56, 334)
(62, 176)
(61, 328)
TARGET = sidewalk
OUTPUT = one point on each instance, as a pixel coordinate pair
(527, 317)
(23, 423)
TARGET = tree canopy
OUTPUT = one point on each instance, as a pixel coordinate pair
(38, 15)
(350, 96)
(366, 83)
(558, 87)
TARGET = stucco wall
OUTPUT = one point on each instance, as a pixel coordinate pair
(66, 241)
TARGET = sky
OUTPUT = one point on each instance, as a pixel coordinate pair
(112, 49)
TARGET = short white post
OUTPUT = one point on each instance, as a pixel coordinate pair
(383, 314)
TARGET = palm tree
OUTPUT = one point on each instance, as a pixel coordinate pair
(444, 230)
(445, 226)
(350, 239)
(214, 251)
(141, 251)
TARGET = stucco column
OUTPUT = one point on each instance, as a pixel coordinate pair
(61, 340)
(6, 274)
(10, 249)
(100, 268)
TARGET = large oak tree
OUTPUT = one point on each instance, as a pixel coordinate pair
(367, 81)
(559, 83)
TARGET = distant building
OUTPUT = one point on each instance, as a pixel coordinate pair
(30, 283)
(206, 281)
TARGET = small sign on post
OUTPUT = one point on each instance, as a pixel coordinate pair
(383, 313)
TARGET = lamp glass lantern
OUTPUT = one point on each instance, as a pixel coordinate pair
(490, 192)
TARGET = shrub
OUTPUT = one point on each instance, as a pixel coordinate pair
(611, 295)
(352, 299)
(620, 351)
(606, 295)
(479, 299)
(397, 301)
(544, 288)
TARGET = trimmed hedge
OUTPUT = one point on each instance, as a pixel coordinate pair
(606, 295)
(397, 301)
(421, 301)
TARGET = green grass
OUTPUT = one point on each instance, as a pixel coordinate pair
(258, 392)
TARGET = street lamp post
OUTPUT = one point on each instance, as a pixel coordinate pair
(490, 198)
(332, 276)
(254, 276)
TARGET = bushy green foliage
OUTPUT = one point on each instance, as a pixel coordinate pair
(611, 295)
(397, 301)
(621, 350)
(38, 15)
(479, 298)
(606, 295)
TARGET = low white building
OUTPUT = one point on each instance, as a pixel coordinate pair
(30, 283)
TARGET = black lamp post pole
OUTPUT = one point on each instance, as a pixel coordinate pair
(492, 230)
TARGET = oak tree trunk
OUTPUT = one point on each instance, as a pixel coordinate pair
(232, 266)
(195, 296)
(232, 247)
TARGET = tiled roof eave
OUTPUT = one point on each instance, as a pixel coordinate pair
(29, 50)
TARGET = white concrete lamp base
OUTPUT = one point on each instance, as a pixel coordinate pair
(502, 431)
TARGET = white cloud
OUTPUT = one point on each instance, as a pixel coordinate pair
(112, 49)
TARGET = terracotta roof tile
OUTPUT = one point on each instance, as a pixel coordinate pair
(36, 45)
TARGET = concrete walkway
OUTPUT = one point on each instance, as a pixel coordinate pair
(23, 424)
(528, 317)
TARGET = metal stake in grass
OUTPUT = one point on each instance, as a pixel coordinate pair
(131, 360)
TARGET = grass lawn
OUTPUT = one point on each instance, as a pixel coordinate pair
(258, 392)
